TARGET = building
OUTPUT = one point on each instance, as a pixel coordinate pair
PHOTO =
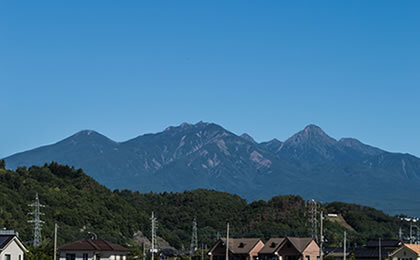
(337, 253)
(373, 247)
(11, 248)
(406, 252)
(89, 249)
(239, 249)
(290, 248)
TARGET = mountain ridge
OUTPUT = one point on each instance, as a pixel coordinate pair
(206, 155)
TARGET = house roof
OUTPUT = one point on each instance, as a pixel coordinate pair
(239, 245)
(271, 246)
(275, 244)
(92, 245)
(384, 243)
(336, 251)
(415, 248)
(371, 252)
(4, 240)
(300, 243)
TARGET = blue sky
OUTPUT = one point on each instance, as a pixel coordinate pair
(268, 68)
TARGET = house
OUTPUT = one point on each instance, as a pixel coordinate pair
(239, 249)
(11, 248)
(89, 249)
(290, 248)
(373, 247)
(406, 252)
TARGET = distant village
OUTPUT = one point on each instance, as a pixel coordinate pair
(225, 248)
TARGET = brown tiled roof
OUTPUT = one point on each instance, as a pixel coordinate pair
(92, 245)
(241, 245)
(300, 243)
(271, 246)
(415, 248)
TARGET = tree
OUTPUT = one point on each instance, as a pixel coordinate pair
(2, 164)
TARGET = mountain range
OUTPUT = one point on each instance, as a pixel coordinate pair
(205, 155)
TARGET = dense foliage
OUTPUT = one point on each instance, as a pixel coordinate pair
(80, 205)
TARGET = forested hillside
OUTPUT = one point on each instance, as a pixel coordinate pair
(80, 205)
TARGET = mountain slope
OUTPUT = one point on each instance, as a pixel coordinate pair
(205, 155)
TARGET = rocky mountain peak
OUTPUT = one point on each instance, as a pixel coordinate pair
(248, 138)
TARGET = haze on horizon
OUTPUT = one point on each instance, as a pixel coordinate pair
(126, 69)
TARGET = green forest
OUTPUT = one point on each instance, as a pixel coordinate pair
(79, 205)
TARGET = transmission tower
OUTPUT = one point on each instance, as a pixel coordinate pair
(313, 218)
(194, 237)
(154, 241)
(37, 221)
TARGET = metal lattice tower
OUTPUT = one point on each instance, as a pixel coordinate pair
(313, 212)
(154, 241)
(37, 221)
(194, 237)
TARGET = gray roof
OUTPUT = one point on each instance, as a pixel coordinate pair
(5, 239)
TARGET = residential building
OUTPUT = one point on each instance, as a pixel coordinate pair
(239, 249)
(406, 252)
(373, 247)
(290, 248)
(337, 253)
(89, 249)
(11, 248)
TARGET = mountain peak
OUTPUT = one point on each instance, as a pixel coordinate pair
(314, 129)
(248, 138)
(87, 132)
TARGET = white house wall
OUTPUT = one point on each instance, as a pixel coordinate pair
(14, 250)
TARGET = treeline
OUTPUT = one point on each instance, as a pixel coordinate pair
(78, 204)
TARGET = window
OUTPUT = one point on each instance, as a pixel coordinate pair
(307, 257)
(20, 257)
(7, 257)
(85, 256)
(70, 256)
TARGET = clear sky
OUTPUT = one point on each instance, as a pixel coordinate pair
(267, 68)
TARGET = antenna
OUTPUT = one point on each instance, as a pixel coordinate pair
(37, 221)
(194, 237)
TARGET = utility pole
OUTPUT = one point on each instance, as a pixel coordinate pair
(345, 244)
(37, 221)
(154, 242)
(411, 233)
(380, 251)
(202, 252)
(144, 250)
(321, 238)
(400, 234)
(227, 241)
(55, 240)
